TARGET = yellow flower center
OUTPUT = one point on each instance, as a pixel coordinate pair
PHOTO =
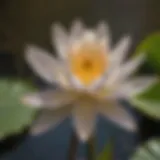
(88, 63)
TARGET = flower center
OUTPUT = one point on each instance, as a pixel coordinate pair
(88, 63)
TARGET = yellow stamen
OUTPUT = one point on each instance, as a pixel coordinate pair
(88, 63)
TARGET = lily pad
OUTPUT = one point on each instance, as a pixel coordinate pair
(149, 151)
(14, 116)
(149, 101)
(151, 46)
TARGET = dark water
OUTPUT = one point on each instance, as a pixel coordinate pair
(55, 143)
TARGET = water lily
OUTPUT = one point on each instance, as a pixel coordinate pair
(91, 78)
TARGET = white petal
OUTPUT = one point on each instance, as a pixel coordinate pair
(118, 75)
(60, 40)
(113, 111)
(43, 64)
(130, 67)
(49, 99)
(118, 54)
(84, 115)
(89, 36)
(104, 35)
(77, 30)
(113, 78)
(135, 86)
(48, 118)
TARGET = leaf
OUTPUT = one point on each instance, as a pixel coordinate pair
(151, 46)
(14, 116)
(149, 151)
(149, 101)
(107, 153)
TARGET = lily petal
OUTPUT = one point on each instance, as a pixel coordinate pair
(118, 54)
(45, 65)
(131, 66)
(84, 115)
(77, 30)
(116, 113)
(135, 86)
(118, 75)
(60, 40)
(48, 119)
(104, 35)
(49, 99)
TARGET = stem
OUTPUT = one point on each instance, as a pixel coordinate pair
(91, 150)
(73, 147)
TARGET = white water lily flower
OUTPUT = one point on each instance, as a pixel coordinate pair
(91, 78)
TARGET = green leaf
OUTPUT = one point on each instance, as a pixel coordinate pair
(151, 46)
(149, 151)
(14, 116)
(149, 101)
(107, 153)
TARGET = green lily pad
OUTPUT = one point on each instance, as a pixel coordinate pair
(151, 46)
(14, 116)
(149, 151)
(149, 101)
